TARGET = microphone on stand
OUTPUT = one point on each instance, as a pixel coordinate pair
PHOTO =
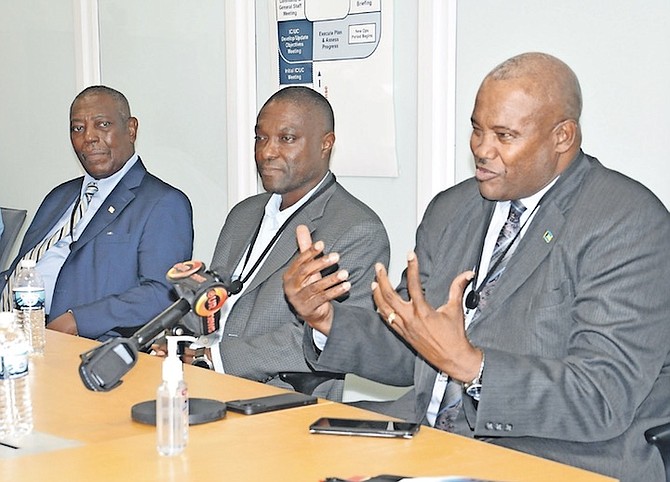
(202, 295)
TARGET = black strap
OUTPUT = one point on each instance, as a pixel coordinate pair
(237, 285)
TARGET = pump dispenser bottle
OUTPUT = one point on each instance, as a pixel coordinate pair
(172, 403)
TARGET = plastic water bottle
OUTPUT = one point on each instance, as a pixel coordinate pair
(172, 403)
(16, 408)
(29, 305)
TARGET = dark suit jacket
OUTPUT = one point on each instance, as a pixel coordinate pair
(114, 275)
(262, 335)
(576, 332)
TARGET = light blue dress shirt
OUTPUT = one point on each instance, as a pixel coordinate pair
(52, 260)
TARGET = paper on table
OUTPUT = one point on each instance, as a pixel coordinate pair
(33, 443)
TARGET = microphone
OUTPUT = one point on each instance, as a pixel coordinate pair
(164, 321)
(206, 293)
(202, 295)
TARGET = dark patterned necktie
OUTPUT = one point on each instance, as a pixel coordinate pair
(449, 407)
(453, 394)
(41, 248)
(507, 236)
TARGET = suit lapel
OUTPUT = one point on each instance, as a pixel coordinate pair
(543, 232)
(120, 197)
(534, 247)
(470, 237)
(241, 237)
(50, 216)
(286, 246)
(278, 256)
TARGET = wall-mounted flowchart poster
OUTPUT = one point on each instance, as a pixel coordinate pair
(344, 50)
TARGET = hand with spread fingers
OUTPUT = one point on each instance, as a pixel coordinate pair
(437, 334)
(563, 311)
(307, 290)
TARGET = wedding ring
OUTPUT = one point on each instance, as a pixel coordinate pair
(391, 318)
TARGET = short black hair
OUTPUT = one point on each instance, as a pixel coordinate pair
(119, 98)
(299, 94)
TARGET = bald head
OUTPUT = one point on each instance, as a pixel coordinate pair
(550, 79)
(525, 126)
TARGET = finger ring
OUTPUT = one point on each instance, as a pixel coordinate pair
(391, 318)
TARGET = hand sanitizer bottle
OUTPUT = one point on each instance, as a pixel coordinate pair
(172, 403)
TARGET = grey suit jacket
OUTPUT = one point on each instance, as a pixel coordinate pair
(262, 335)
(576, 333)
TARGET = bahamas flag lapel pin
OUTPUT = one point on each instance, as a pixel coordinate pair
(548, 236)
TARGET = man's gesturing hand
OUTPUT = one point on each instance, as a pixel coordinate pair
(306, 289)
(437, 334)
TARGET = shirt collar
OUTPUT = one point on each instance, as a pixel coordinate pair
(106, 185)
(529, 202)
(274, 203)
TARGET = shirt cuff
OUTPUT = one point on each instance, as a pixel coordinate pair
(319, 340)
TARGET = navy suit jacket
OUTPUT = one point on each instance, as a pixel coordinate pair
(114, 276)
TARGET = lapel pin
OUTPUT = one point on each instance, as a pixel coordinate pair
(548, 236)
(111, 209)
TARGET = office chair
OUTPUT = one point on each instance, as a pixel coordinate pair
(306, 382)
(660, 436)
(13, 220)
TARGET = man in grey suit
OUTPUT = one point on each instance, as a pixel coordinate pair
(565, 355)
(262, 336)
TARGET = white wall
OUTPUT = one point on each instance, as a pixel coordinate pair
(37, 84)
(167, 57)
(619, 51)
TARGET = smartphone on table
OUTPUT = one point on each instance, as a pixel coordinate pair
(369, 428)
(251, 406)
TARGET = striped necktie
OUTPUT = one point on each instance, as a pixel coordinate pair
(449, 407)
(36, 253)
(453, 394)
(501, 252)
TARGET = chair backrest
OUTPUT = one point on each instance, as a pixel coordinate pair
(13, 219)
(660, 436)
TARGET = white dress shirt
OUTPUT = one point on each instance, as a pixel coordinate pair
(500, 213)
(273, 219)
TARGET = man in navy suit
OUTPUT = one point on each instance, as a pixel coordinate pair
(107, 276)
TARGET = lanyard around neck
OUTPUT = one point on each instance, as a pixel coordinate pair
(472, 300)
(237, 284)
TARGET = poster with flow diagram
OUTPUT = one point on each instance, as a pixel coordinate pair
(344, 50)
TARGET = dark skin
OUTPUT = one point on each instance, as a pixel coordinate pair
(521, 141)
(292, 152)
(103, 138)
(292, 149)
(421, 325)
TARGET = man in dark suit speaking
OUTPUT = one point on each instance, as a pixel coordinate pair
(534, 311)
(103, 242)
